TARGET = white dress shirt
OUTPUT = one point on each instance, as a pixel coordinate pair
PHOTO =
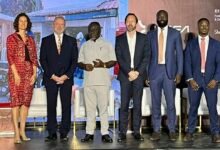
(131, 45)
(90, 51)
(56, 38)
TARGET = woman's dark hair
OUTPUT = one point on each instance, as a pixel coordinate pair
(15, 24)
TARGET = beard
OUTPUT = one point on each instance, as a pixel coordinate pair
(131, 28)
(94, 36)
(203, 33)
(162, 23)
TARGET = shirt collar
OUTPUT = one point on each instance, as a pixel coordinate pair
(129, 36)
(206, 37)
(97, 40)
(56, 35)
(164, 29)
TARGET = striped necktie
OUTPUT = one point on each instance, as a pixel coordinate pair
(59, 44)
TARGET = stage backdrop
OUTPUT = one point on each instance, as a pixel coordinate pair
(183, 14)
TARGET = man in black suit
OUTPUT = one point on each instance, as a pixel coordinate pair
(131, 53)
(58, 57)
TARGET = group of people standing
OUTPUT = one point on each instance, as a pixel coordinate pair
(156, 59)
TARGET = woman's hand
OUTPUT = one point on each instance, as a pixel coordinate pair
(33, 78)
(17, 79)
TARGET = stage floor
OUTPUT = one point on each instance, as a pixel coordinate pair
(202, 141)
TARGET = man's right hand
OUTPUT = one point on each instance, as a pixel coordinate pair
(132, 75)
(55, 78)
(194, 85)
(89, 67)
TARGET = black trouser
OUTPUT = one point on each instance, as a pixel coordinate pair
(130, 90)
(65, 96)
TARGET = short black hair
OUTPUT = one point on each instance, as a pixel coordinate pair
(29, 24)
(152, 27)
(94, 24)
(203, 19)
(131, 14)
(160, 11)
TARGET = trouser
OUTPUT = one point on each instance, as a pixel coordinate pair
(96, 96)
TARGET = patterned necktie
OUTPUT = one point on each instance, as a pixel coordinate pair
(161, 44)
(59, 44)
(202, 50)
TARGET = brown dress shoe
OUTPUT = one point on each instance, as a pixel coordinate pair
(188, 137)
(155, 136)
(215, 138)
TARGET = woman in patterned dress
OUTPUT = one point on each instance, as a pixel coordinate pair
(22, 60)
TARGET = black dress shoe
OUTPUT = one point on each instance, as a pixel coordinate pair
(216, 138)
(122, 137)
(137, 136)
(188, 137)
(155, 136)
(51, 137)
(172, 136)
(107, 139)
(87, 138)
(63, 138)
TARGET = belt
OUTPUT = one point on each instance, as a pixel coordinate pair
(132, 69)
(203, 74)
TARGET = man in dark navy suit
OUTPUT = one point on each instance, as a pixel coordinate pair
(131, 53)
(202, 71)
(58, 57)
(165, 71)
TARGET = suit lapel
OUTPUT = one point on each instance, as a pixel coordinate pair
(127, 47)
(209, 53)
(63, 43)
(53, 44)
(155, 44)
(197, 51)
(167, 44)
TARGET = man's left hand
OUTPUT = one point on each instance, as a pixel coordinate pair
(212, 84)
(178, 79)
(62, 79)
(98, 63)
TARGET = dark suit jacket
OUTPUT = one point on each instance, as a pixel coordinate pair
(193, 61)
(173, 56)
(53, 63)
(124, 59)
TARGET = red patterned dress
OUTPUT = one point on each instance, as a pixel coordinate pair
(21, 94)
